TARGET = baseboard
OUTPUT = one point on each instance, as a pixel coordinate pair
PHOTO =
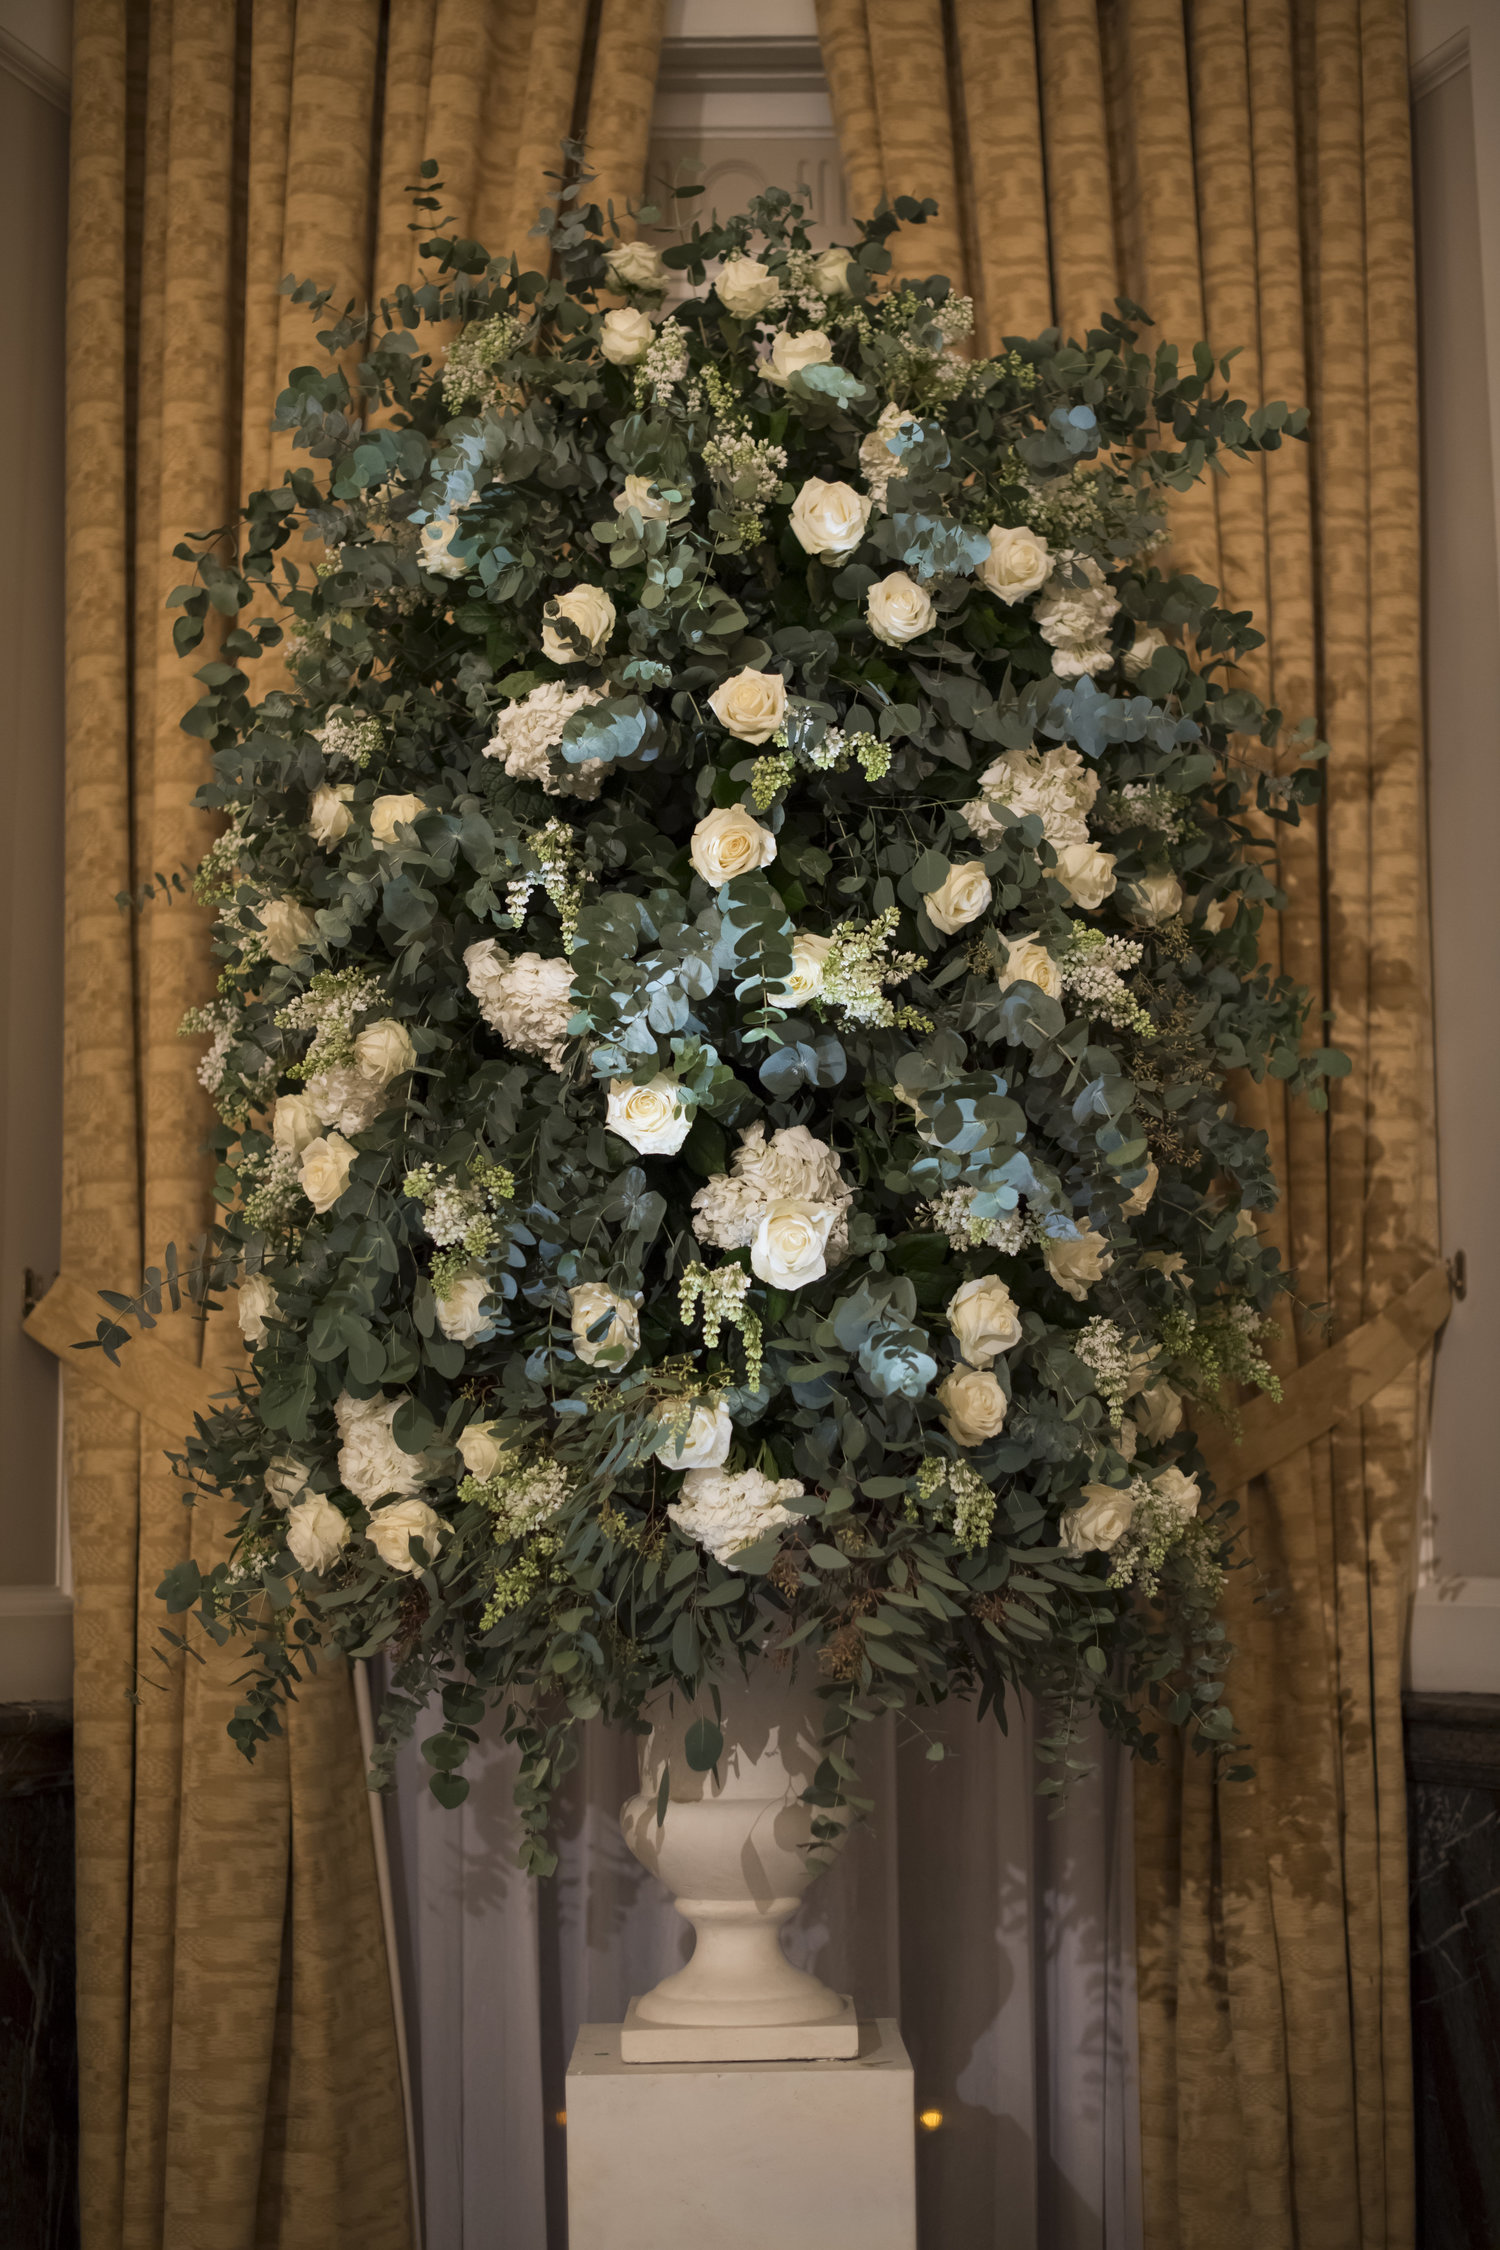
(36, 1644)
(1454, 1648)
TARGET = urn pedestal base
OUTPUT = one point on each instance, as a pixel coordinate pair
(836, 2040)
(802, 2155)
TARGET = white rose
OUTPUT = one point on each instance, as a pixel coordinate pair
(655, 1118)
(1017, 563)
(635, 265)
(809, 957)
(286, 1479)
(746, 288)
(1102, 1521)
(640, 493)
(387, 814)
(1028, 961)
(315, 1532)
(1141, 650)
(983, 1316)
(898, 609)
(1149, 899)
(324, 1171)
(1157, 1413)
(626, 337)
(961, 898)
(288, 928)
(1138, 1198)
(701, 1440)
(1076, 1262)
(729, 842)
(830, 519)
(460, 1310)
(1178, 1494)
(751, 705)
(830, 275)
(328, 815)
(790, 354)
(973, 1405)
(790, 1245)
(437, 557)
(392, 1529)
(256, 1303)
(295, 1122)
(480, 1448)
(1086, 873)
(588, 608)
(371, 1464)
(384, 1050)
(726, 1514)
(590, 1303)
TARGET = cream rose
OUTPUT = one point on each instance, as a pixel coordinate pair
(983, 1316)
(1157, 1413)
(437, 539)
(324, 1171)
(1016, 565)
(747, 288)
(830, 275)
(1027, 961)
(635, 265)
(792, 355)
(460, 1310)
(1139, 1197)
(1141, 650)
(294, 1122)
(256, 1302)
(387, 814)
(392, 1529)
(588, 608)
(626, 336)
(961, 898)
(286, 1479)
(1178, 1494)
(830, 519)
(973, 1405)
(809, 958)
(1102, 1521)
(1154, 898)
(328, 815)
(640, 494)
(655, 1118)
(751, 705)
(899, 609)
(316, 1531)
(288, 928)
(729, 842)
(1076, 1262)
(371, 1464)
(1086, 873)
(791, 1243)
(700, 1440)
(480, 1448)
(384, 1051)
(591, 1302)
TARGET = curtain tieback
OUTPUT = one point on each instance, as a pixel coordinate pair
(1335, 1384)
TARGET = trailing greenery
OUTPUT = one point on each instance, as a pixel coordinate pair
(735, 918)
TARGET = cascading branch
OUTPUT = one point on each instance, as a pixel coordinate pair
(733, 937)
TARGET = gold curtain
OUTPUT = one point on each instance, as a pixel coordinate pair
(239, 2077)
(1242, 169)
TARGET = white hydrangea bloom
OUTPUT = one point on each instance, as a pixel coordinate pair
(346, 1099)
(726, 1514)
(528, 999)
(1075, 620)
(372, 1465)
(527, 734)
(793, 1166)
(1057, 786)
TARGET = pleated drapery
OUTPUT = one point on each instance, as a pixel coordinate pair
(1242, 169)
(239, 2074)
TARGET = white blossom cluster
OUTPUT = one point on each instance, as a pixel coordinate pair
(469, 371)
(973, 1499)
(1074, 619)
(526, 998)
(271, 1186)
(830, 754)
(664, 364)
(856, 969)
(722, 1293)
(1055, 786)
(1094, 970)
(527, 734)
(460, 1217)
(748, 471)
(952, 1214)
(726, 1512)
(519, 1494)
(1119, 1368)
(329, 1009)
(555, 850)
(354, 737)
(1143, 804)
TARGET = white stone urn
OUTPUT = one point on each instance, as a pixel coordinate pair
(733, 1849)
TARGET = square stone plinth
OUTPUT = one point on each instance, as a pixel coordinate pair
(741, 2156)
(837, 2040)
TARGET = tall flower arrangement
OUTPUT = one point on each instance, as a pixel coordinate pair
(733, 932)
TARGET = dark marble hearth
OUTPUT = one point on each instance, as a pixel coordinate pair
(1453, 1809)
(38, 2043)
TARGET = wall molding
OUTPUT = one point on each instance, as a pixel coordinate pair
(1443, 63)
(35, 71)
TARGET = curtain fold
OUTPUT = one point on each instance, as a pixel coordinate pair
(1242, 168)
(239, 2075)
